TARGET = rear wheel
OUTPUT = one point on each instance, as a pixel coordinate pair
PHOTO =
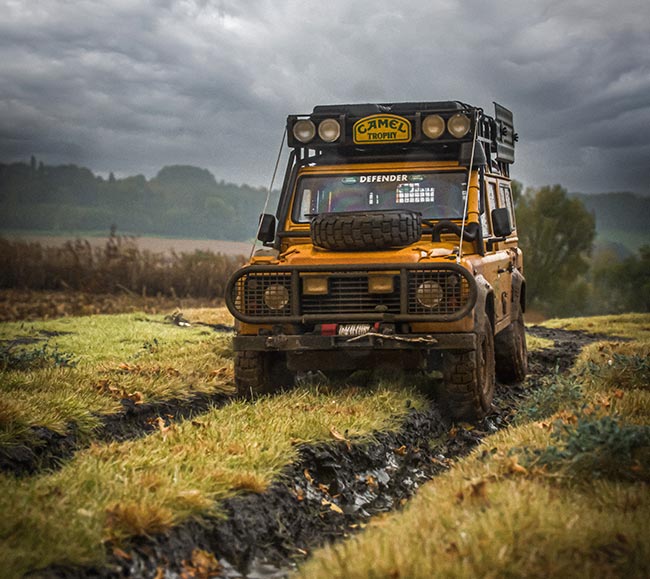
(468, 378)
(258, 373)
(510, 350)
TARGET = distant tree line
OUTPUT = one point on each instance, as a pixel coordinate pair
(564, 275)
(180, 200)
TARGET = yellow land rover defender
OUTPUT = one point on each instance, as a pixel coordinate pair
(395, 246)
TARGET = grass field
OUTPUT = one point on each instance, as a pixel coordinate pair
(562, 492)
(66, 374)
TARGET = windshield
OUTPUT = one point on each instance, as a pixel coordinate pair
(435, 195)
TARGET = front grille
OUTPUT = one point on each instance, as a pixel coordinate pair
(455, 291)
(348, 298)
(349, 295)
(248, 293)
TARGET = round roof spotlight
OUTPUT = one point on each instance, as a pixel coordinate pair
(329, 130)
(458, 125)
(433, 126)
(304, 130)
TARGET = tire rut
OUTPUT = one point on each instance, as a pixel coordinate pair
(50, 450)
(328, 493)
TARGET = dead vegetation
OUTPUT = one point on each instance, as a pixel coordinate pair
(119, 267)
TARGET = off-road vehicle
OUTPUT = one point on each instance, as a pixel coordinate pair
(395, 246)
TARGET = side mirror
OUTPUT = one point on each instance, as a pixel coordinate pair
(266, 233)
(501, 225)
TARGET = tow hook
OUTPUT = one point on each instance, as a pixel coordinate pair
(276, 342)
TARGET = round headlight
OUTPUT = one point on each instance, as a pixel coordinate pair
(429, 294)
(276, 296)
(458, 125)
(329, 130)
(433, 126)
(304, 130)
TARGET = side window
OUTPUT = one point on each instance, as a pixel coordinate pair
(506, 201)
(491, 203)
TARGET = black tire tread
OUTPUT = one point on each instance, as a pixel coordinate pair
(366, 230)
(258, 373)
(461, 391)
(510, 351)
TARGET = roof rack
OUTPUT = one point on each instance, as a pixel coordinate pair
(440, 128)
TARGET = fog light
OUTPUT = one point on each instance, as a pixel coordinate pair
(276, 296)
(433, 126)
(429, 294)
(304, 130)
(458, 125)
(329, 130)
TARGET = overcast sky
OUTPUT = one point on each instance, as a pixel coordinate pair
(132, 85)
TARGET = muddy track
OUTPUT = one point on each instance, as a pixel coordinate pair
(49, 449)
(329, 491)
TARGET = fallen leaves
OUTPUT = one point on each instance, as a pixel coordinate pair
(336, 435)
(476, 490)
(202, 565)
(163, 428)
(332, 506)
(155, 370)
(117, 392)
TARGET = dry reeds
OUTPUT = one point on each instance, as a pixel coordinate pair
(119, 267)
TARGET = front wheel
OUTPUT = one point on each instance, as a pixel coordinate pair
(258, 373)
(468, 378)
(511, 351)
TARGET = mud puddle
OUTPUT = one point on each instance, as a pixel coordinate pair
(328, 494)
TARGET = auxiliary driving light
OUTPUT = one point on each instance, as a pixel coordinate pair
(315, 286)
(329, 130)
(276, 296)
(429, 294)
(458, 125)
(304, 130)
(433, 126)
(381, 284)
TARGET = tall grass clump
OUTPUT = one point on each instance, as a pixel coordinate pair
(590, 447)
(119, 266)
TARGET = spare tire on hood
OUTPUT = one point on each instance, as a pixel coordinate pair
(361, 230)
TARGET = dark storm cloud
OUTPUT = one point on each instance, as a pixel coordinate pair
(130, 86)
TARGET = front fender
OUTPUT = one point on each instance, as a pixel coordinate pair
(484, 301)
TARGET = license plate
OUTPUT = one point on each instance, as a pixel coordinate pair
(354, 329)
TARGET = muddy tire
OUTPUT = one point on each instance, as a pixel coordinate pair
(468, 378)
(258, 373)
(510, 351)
(366, 230)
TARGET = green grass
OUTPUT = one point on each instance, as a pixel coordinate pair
(136, 356)
(535, 343)
(632, 326)
(114, 491)
(561, 494)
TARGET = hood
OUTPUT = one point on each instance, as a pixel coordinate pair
(308, 254)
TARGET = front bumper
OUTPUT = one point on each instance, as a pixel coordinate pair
(370, 342)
